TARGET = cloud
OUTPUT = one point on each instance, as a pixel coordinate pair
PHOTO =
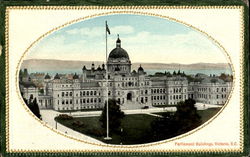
(172, 48)
(123, 29)
(142, 46)
(99, 31)
(90, 32)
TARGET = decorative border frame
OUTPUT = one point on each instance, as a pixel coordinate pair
(131, 7)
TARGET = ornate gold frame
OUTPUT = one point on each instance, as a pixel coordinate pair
(120, 12)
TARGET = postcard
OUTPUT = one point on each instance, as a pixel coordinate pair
(155, 79)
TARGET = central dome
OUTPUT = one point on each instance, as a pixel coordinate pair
(118, 52)
(118, 60)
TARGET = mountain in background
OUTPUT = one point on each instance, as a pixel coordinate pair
(49, 64)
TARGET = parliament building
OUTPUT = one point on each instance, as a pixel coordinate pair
(131, 89)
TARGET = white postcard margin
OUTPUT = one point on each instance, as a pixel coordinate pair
(27, 134)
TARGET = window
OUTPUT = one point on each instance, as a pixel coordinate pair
(62, 94)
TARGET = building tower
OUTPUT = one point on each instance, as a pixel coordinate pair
(118, 60)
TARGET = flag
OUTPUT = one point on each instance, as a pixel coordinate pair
(107, 28)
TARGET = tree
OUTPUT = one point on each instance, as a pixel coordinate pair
(186, 116)
(184, 119)
(174, 73)
(179, 72)
(115, 116)
(33, 106)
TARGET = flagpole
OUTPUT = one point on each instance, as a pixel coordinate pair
(107, 104)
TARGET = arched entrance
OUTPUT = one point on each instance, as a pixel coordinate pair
(129, 96)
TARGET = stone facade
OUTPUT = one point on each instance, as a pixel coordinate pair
(89, 89)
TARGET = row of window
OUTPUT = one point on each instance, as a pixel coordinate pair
(78, 108)
(129, 84)
(82, 93)
(80, 101)
(217, 89)
(205, 96)
(158, 90)
(162, 97)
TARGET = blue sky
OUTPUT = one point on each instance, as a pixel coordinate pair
(146, 39)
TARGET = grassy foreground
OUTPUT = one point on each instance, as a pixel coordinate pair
(205, 114)
(135, 128)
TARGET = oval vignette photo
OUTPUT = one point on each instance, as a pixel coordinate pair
(125, 79)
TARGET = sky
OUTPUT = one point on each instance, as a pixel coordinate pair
(146, 39)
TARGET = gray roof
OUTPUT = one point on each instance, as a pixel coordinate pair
(90, 84)
(27, 84)
(118, 52)
(212, 80)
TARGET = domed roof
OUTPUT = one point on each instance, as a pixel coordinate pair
(99, 68)
(57, 76)
(47, 76)
(140, 68)
(75, 76)
(118, 52)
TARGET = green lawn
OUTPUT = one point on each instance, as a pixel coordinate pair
(135, 128)
(205, 114)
